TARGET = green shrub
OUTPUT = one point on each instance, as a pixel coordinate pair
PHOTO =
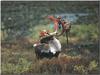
(22, 66)
(80, 69)
(92, 65)
(86, 32)
(83, 69)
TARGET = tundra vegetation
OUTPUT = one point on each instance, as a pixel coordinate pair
(20, 26)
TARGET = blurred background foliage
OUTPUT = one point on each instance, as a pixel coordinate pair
(19, 19)
(21, 22)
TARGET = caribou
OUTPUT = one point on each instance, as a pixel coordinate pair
(48, 46)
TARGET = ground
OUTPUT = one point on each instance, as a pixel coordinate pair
(19, 58)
